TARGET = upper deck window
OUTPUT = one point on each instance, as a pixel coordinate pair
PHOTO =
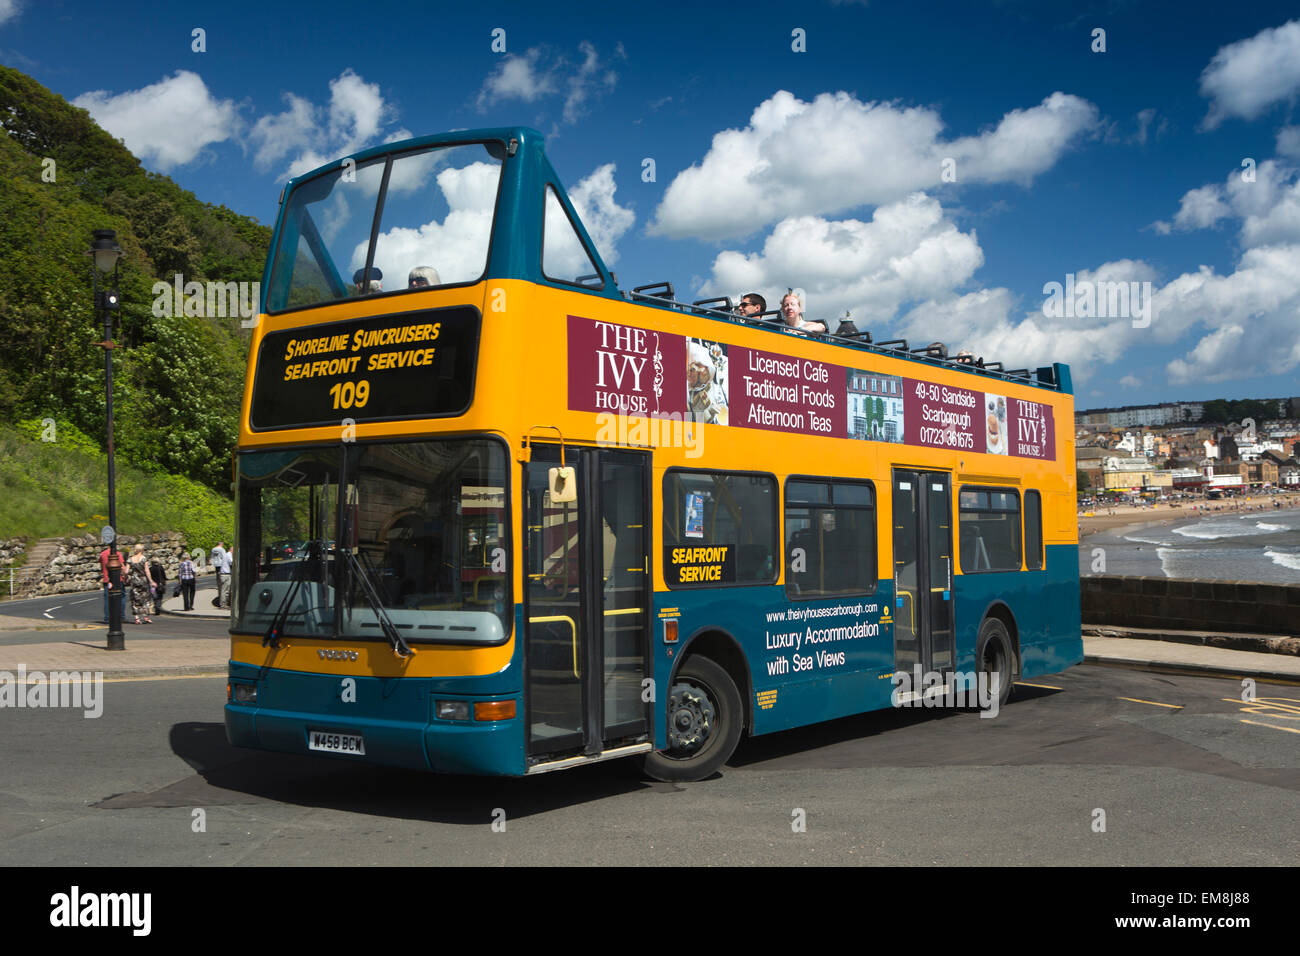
(564, 257)
(433, 228)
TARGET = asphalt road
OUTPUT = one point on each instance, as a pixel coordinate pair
(87, 607)
(1181, 773)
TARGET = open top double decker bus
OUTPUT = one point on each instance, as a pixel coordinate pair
(498, 516)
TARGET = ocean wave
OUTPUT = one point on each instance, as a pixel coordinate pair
(1164, 554)
(1285, 559)
(1163, 542)
(1227, 529)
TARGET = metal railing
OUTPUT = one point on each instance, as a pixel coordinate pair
(860, 341)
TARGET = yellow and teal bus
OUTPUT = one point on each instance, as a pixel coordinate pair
(497, 515)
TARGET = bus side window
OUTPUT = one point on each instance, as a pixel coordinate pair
(989, 529)
(830, 527)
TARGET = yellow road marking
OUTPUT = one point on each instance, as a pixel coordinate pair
(1279, 707)
(1153, 703)
(1025, 683)
(1289, 730)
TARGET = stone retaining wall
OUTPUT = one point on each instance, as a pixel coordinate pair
(1191, 605)
(76, 565)
(12, 550)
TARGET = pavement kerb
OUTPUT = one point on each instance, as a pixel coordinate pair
(1285, 644)
(179, 670)
(51, 627)
(1194, 670)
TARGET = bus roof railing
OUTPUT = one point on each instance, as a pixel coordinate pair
(662, 294)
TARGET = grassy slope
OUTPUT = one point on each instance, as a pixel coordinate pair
(48, 489)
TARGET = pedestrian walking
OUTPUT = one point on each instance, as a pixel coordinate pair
(221, 564)
(140, 586)
(186, 576)
(158, 577)
(107, 583)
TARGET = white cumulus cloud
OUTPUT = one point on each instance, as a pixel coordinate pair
(167, 124)
(837, 152)
(1247, 77)
(908, 251)
(1267, 205)
(355, 117)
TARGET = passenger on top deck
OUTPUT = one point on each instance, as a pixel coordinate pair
(792, 312)
(365, 288)
(422, 277)
(751, 305)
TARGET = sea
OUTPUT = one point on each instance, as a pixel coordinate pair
(1261, 546)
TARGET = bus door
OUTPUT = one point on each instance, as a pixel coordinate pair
(588, 600)
(923, 627)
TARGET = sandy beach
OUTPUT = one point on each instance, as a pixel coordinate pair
(1233, 540)
(1133, 516)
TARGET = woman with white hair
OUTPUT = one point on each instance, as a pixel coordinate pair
(792, 312)
(422, 277)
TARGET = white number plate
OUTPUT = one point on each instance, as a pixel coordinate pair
(335, 743)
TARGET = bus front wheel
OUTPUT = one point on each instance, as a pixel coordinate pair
(703, 723)
(995, 657)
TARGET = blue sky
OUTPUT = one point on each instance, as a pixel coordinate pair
(822, 169)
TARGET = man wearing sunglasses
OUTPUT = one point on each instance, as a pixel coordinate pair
(751, 305)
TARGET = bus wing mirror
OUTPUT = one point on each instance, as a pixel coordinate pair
(564, 485)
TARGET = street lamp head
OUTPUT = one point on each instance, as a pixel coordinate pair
(105, 249)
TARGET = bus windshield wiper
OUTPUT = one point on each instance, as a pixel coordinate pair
(272, 636)
(359, 574)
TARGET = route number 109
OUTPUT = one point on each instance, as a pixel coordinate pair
(347, 395)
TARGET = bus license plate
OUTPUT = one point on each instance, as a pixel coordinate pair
(336, 743)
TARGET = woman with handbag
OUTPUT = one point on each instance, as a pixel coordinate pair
(141, 588)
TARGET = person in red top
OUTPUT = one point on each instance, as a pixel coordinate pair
(107, 584)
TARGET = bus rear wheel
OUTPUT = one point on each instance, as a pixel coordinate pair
(703, 723)
(995, 657)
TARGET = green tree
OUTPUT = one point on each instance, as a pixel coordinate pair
(178, 380)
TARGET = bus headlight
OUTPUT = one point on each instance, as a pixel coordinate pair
(452, 710)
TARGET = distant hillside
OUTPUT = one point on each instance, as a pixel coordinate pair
(178, 381)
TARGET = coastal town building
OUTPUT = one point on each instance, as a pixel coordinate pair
(1153, 449)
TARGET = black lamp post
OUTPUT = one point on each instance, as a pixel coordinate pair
(105, 251)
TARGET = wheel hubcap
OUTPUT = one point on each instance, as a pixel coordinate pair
(690, 719)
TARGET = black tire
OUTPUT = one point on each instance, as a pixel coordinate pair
(704, 723)
(995, 658)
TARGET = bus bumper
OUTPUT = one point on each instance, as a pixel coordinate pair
(400, 728)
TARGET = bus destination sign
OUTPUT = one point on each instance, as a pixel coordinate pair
(408, 365)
